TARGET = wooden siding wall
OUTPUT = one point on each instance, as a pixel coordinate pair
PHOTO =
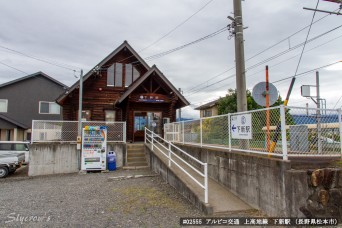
(97, 96)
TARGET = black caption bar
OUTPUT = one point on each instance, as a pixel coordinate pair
(222, 221)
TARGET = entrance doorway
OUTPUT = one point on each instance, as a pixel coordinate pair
(151, 120)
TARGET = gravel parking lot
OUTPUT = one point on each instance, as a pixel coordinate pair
(91, 200)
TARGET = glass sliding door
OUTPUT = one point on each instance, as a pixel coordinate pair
(151, 120)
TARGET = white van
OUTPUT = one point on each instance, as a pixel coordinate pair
(15, 147)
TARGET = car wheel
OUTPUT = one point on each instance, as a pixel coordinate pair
(3, 172)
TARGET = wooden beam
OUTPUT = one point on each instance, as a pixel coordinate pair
(154, 91)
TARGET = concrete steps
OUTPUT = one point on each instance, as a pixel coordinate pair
(136, 156)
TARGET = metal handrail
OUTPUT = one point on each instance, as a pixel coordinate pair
(154, 143)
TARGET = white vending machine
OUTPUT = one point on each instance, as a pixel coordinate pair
(94, 148)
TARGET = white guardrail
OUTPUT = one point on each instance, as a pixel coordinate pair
(159, 143)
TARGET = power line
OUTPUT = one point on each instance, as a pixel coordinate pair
(13, 67)
(337, 102)
(287, 38)
(175, 28)
(211, 79)
(267, 60)
(261, 52)
(306, 72)
(168, 33)
(306, 39)
(274, 65)
(162, 54)
(39, 59)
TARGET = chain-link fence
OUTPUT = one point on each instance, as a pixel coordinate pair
(280, 131)
(67, 131)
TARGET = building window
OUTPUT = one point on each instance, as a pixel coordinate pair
(118, 74)
(86, 115)
(131, 75)
(207, 113)
(46, 107)
(3, 105)
(115, 75)
(110, 76)
(109, 116)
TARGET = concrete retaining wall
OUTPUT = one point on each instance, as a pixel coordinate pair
(53, 158)
(267, 184)
(57, 158)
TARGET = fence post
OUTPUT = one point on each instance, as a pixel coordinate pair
(340, 123)
(205, 182)
(145, 136)
(169, 154)
(32, 131)
(283, 131)
(183, 130)
(124, 131)
(152, 136)
(229, 134)
(201, 131)
(173, 132)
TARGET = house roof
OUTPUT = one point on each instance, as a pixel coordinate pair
(32, 76)
(100, 64)
(13, 122)
(208, 105)
(138, 82)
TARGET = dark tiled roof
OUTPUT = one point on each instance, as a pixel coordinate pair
(207, 105)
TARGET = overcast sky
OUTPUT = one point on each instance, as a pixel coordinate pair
(82, 33)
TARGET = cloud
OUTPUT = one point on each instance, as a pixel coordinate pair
(82, 33)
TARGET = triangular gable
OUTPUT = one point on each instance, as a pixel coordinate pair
(100, 64)
(138, 82)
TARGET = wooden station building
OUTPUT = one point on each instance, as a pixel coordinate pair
(122, 87)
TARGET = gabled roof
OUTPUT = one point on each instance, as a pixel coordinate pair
(144, 77)
(32, 76)
(13, 122)
(208, 105)
(100, 64)
(138, 82)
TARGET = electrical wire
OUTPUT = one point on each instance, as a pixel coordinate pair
(337, 102)
(267, 60)
(13, 67)
(306, 39)
(175, 28)
(306, 72)
(263, 51)
(40, 59)
(162, 54)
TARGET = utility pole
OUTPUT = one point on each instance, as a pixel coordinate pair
(79, 135)
(240, 65)
(240, 58)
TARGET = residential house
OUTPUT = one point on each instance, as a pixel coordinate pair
(208, 109)
(123, 87)
(25, 99)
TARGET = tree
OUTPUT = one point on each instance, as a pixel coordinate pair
(228, 103)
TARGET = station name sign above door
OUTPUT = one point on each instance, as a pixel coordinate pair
(241, 126)
(151, 98)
